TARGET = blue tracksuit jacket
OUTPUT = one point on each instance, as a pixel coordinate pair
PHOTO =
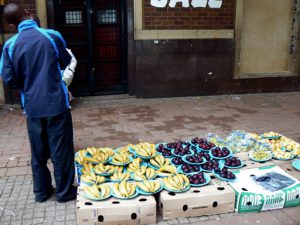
(32, 61)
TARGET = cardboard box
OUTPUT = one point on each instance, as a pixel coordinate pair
(265, 188)
(250, 164)
(140, 210)
(211, 199)
(288, 168)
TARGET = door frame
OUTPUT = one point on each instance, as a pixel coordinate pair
(53, 12)
(294, 58)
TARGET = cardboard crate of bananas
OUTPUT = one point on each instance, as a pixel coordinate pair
(146, 169)
(126, 172)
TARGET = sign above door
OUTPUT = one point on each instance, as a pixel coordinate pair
(187, 3)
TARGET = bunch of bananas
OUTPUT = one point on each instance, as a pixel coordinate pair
(119, 176)
(101, 157)
(92, 150)
(144, 173)
(102, 169)
(159, 161)
(92, 178)
(80, 160)
(87, 168)
(166, 171)
(124, 149)
(119, 169)
(134, 165)
(149, 186)
(108, 151)
(178, 182)
(145, 149)
(120, 158)
(124, 189)
(99, 192)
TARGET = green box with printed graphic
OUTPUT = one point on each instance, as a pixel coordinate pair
(265, 188)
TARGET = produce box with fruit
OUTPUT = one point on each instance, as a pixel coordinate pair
(139, 210)
(265, 188)
(197, 201)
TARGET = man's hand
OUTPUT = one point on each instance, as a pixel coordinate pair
(68, 76)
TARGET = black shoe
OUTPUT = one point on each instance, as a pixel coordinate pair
(70, 197)
(46, 197)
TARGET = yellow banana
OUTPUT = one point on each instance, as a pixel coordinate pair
(100, 179)
(119, 169)
(116, 190)
(87, 179)
(143, 187)
(123, 189)
(132, 187)
(100, 168)
(108, 151)
(92, 150)
(104, 190)
(177, 182)
(150, 173)
(87, 191)
(134, 165)
(92, 190)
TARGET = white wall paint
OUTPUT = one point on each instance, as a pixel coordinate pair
(186, 3)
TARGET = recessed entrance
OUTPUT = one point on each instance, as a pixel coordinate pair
(95, 32)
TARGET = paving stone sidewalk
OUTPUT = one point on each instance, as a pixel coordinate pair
(114, 121)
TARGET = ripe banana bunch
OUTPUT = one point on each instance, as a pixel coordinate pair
(88, 178)
(159, 161)
(144, 174)
(166, 171)
(134, 165)
(119, 169)
(99, 192)
(119, 176)
(149, 186)
(124, 189)
(102, 169)
(101, 157)
(87, 168)
(177, 183)
(92, 150)
(120, 158)
(145, 149)
(124, 149)
(100, 179)
(91, 160)
(80, 159)
(108, 151)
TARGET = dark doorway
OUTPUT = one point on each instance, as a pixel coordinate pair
(95, 31)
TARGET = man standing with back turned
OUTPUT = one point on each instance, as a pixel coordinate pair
(32, 61)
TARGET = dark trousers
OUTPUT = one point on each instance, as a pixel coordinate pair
(52, 137)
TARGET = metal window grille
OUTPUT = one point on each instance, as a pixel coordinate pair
(108, 16)
(73, 17)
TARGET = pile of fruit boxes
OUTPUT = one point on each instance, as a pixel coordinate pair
(182, 179)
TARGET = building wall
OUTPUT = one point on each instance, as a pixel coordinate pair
(188, 18)
(170, 67)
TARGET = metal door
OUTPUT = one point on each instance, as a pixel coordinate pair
(95, 32)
